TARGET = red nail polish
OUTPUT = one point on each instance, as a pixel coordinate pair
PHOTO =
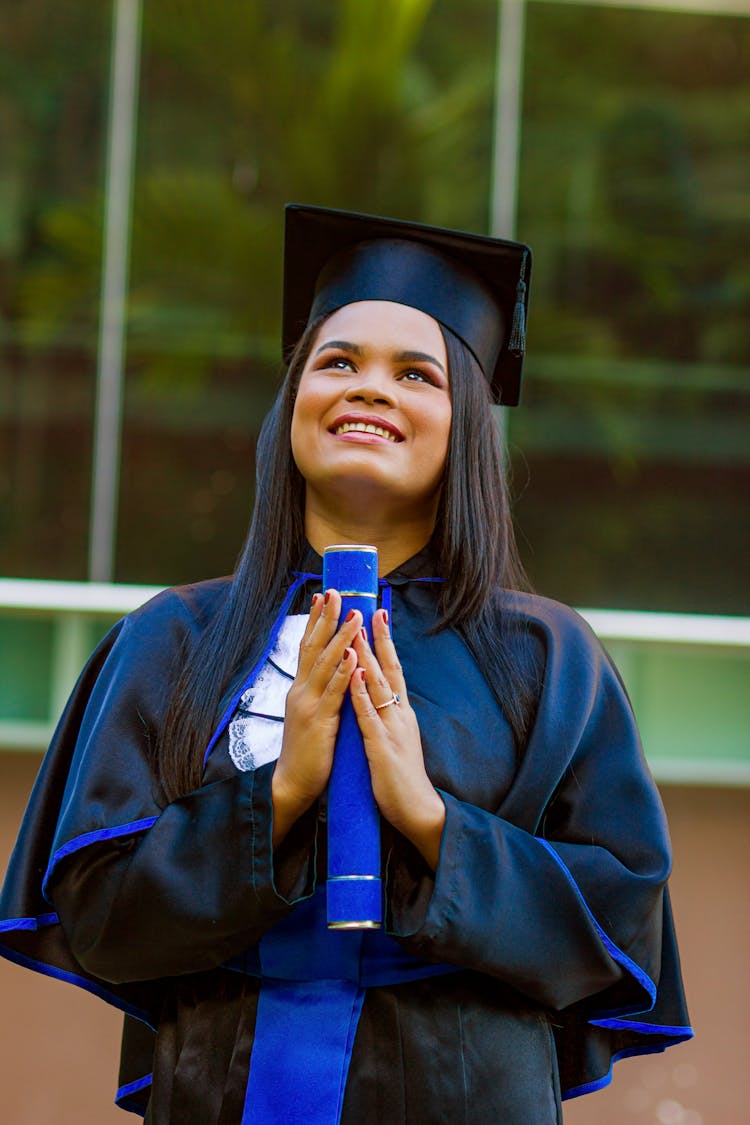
(362, 675)
(315, 599)
(326, 599)
(385, 616)
(364, 636)
(349, 615)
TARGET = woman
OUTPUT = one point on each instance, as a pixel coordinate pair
(527, 939)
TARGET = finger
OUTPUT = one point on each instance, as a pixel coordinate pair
(333, 694)
(316, 608)
(324, 619)
(378, 685)
(308, 648)
(386, 653)
(328, 620)
(328, 658)
(385, 650)
(364, 709)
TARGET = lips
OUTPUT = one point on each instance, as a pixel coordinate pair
(366, 424)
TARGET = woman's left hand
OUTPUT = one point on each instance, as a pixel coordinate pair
(404, 793)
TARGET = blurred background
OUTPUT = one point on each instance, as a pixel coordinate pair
(146, 150)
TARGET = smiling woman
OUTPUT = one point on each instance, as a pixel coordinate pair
(172, 857)
(371, 427)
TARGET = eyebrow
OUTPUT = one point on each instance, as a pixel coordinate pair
(345, 346)
(402, 357)
(419, 357)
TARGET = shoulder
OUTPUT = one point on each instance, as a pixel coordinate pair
(160, 630)
(564, 637)
(191, 607)
(141, 656)
(542, 613)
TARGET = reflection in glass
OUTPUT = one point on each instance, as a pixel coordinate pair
(634, 194)
(53, 61)
(367, 106)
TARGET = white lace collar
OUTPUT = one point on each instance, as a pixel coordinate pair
(257, 727)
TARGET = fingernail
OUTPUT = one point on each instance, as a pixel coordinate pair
(349, 615)
(362, 675)
(327, 598)
(385, 616)
(315, 599)
(364, 636)
(348, 652)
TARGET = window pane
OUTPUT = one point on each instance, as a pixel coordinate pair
(244, 107)
(634, 194)
(53, 96)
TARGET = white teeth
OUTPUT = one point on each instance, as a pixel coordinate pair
(365, 428)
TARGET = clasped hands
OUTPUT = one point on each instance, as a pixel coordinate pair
(331, 663)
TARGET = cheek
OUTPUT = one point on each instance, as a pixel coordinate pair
(299, 434)
(300, 439)
(302, 416)
(434, 446)
(441, 435)
(310, 409)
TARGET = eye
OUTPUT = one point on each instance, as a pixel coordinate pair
(338, 363)
(415, 375)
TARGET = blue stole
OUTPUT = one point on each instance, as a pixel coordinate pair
(313, 983)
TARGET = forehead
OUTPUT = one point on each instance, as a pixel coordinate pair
(384, 324)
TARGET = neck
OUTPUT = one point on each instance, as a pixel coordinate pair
(397, 537)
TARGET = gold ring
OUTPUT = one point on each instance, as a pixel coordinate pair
(396, 698)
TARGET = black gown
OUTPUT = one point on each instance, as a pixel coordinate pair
(549, 899)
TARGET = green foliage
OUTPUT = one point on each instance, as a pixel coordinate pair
(244, 106)
(633, 194)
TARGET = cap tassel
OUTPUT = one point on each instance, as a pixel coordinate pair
(517, 342)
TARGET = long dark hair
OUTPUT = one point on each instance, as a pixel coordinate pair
(473, 540)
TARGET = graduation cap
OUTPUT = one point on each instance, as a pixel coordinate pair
(476, 286)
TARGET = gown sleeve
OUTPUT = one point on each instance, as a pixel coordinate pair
(561, 891)
(111, 886)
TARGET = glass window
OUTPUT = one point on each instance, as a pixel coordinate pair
(53, 96)
(633, 192)
(366, 106)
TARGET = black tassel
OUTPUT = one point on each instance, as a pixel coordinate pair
(517, 342)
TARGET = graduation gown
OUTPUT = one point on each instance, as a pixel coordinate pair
(549, 901)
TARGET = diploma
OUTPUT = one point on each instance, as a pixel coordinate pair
(353, 888)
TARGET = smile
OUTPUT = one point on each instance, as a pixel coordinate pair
(365, 428)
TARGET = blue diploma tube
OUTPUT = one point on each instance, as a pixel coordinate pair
(354, 892)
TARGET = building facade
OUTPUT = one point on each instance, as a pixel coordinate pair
(147, 151)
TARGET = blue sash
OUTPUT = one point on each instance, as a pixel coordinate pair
(313, 983)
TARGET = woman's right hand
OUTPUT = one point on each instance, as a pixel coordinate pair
(311, 723)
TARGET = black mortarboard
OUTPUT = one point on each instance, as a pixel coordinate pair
(476, 286)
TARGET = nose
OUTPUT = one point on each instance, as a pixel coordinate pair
(371, 387)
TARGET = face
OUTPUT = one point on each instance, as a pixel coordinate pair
(373, 408)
